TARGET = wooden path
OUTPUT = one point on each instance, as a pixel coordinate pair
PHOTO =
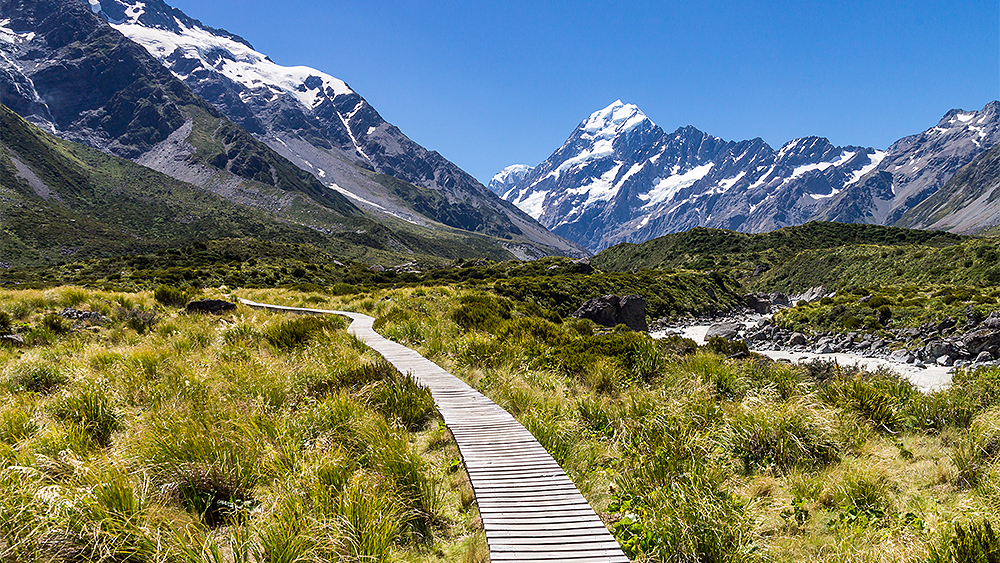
(531, 510)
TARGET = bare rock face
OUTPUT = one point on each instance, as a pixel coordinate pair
(612, 310)
(729, 331)
(214, 306)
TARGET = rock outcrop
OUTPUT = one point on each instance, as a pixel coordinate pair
(214, 306)
(612, 310)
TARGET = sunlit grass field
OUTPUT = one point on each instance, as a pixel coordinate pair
(164, 436)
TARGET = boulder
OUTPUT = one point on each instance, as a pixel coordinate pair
(760, 269)
(214, 306)
(984, 357)
(582, 266)
(797, 339)
(612, 310)
(992, 323)
(759, 303)
(945, 324)
(980, 340)
(937, 349)
(824, 348)
(12, 339)
(729, 331)
(814, 294)
(902, 356)
(946, 361)
(86, 316)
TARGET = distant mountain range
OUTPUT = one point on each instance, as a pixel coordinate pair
(143, 81)
(621, 178)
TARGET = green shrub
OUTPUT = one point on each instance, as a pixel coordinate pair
(173, 296)
(56, 324)
(5, 322)
(973, 542)
(394, 316)
(16, 424)
(532, 329)
(91, 409)
(33, 377)
(783, 436)
(980, 448)
(866, 494)
(137, 319)
(399, 397)
(296, 333)
(691, 519)
(481, 312)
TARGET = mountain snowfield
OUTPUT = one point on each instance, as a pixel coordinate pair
(323, 126)
(620, 178)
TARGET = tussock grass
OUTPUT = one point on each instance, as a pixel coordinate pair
(198, 438)
(690, 456)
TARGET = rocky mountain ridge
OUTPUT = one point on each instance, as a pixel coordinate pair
(327, 129)
(621, 178)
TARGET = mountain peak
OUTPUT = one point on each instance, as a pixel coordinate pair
(508, 178)
(612, 121)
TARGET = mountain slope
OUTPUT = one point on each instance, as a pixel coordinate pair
(66, 70)
(61, 200)
(620, 178)
(915, 168)
(968, 202)
(324, 127)
(702, 248)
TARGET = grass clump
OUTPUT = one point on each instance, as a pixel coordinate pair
(972, 542)
(173, 296)
(297, 332)
(91, 409)
(33, 376)
(782, 436)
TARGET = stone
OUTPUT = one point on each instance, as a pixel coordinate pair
(759, 303)
(377, 268)
(729, 331)
(814, 294)
(797, 339)
(945, 324)
(214, 306)
(612, 310)
(760, 269)
(864, 299)
(945, 360)
(901, 356)
(979, 340)
(824, 348)
(86, 316)
(14, 339)
(984, 357)
(992, 323)
(937, 349)
(582, 266)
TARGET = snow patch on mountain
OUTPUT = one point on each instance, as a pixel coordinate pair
(233, 59)
(876, 158)
(8, 35)
(612, 121)
(666, 188)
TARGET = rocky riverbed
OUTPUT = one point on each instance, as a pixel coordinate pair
(926, 355)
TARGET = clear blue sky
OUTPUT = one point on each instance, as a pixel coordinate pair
(489, 84)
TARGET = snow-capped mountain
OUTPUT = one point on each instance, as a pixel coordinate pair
(508, 178)
(916, 168)
(323, 126)
(621, 178)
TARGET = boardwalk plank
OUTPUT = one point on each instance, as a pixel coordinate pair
(531, 511)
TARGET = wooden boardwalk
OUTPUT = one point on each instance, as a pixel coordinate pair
(531, 510)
